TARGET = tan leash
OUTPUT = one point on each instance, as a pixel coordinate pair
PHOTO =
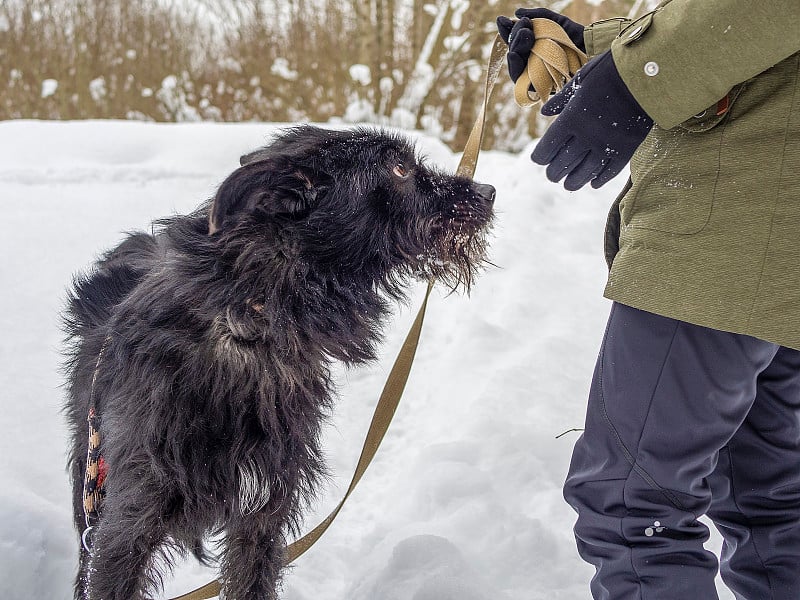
(554, 60)
(550, 62)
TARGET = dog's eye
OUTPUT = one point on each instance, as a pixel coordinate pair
(401, 171)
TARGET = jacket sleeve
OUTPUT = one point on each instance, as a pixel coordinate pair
(687, 54)
(598, 36)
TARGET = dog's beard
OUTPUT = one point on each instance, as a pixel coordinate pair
(457, 255)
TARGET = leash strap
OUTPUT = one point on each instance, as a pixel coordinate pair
(93, 490)
(554, 60)
(381, 419)
(469, 159)
(395, 384)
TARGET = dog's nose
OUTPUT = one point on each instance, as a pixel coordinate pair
(486, 191)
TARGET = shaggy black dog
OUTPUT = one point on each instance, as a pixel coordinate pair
(206, 347)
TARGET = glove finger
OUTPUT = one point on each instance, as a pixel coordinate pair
(567, 159)
(548, 147)
(516, 65)
(611, 170)
(574, 30)
(583, 173)
(520, 27)
(521, 42)
(504, 26)
(537, 13)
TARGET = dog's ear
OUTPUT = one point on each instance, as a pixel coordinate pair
(296, 192)
(271, 187)
(255, 156)
(230, 198)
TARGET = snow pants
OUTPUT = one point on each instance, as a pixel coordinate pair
(684, 421)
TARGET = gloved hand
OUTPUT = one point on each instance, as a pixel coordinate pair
(519, 36)
(600, 126)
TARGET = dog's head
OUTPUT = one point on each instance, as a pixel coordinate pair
(358, 200)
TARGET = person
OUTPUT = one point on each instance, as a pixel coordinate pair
(694, 407)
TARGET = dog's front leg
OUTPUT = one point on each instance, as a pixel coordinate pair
(254, 557)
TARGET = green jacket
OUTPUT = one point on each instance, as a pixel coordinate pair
(708, 228)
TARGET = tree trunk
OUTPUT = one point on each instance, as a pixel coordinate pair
(421, 79)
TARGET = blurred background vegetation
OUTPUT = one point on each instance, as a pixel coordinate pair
(407, 63)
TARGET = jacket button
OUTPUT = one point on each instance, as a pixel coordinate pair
(651, 69)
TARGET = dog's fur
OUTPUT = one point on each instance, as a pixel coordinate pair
(219, 331)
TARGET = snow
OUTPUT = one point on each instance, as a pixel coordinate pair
(463, 500)
(49, 87)
(97, 89)
(361, 74)
(281, 68)
(173, 101)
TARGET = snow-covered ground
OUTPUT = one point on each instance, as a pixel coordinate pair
(463, 501)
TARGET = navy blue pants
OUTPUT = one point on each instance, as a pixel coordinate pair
(685, 421)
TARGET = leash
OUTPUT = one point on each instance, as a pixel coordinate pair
(96, 470)
(554, 60)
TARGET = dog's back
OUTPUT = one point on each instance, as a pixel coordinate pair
(115, 275)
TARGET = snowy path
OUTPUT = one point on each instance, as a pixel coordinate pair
(463, 501)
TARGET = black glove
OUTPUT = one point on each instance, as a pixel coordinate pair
(519, 36)
(599, 128)
(574, 30)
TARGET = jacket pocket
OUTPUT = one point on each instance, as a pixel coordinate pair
(674, 175)
(676, 172)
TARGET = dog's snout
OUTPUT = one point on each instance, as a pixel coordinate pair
(486, 191)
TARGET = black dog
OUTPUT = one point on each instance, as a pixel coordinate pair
(205, 348)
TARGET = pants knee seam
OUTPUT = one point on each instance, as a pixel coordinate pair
(671, 498)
